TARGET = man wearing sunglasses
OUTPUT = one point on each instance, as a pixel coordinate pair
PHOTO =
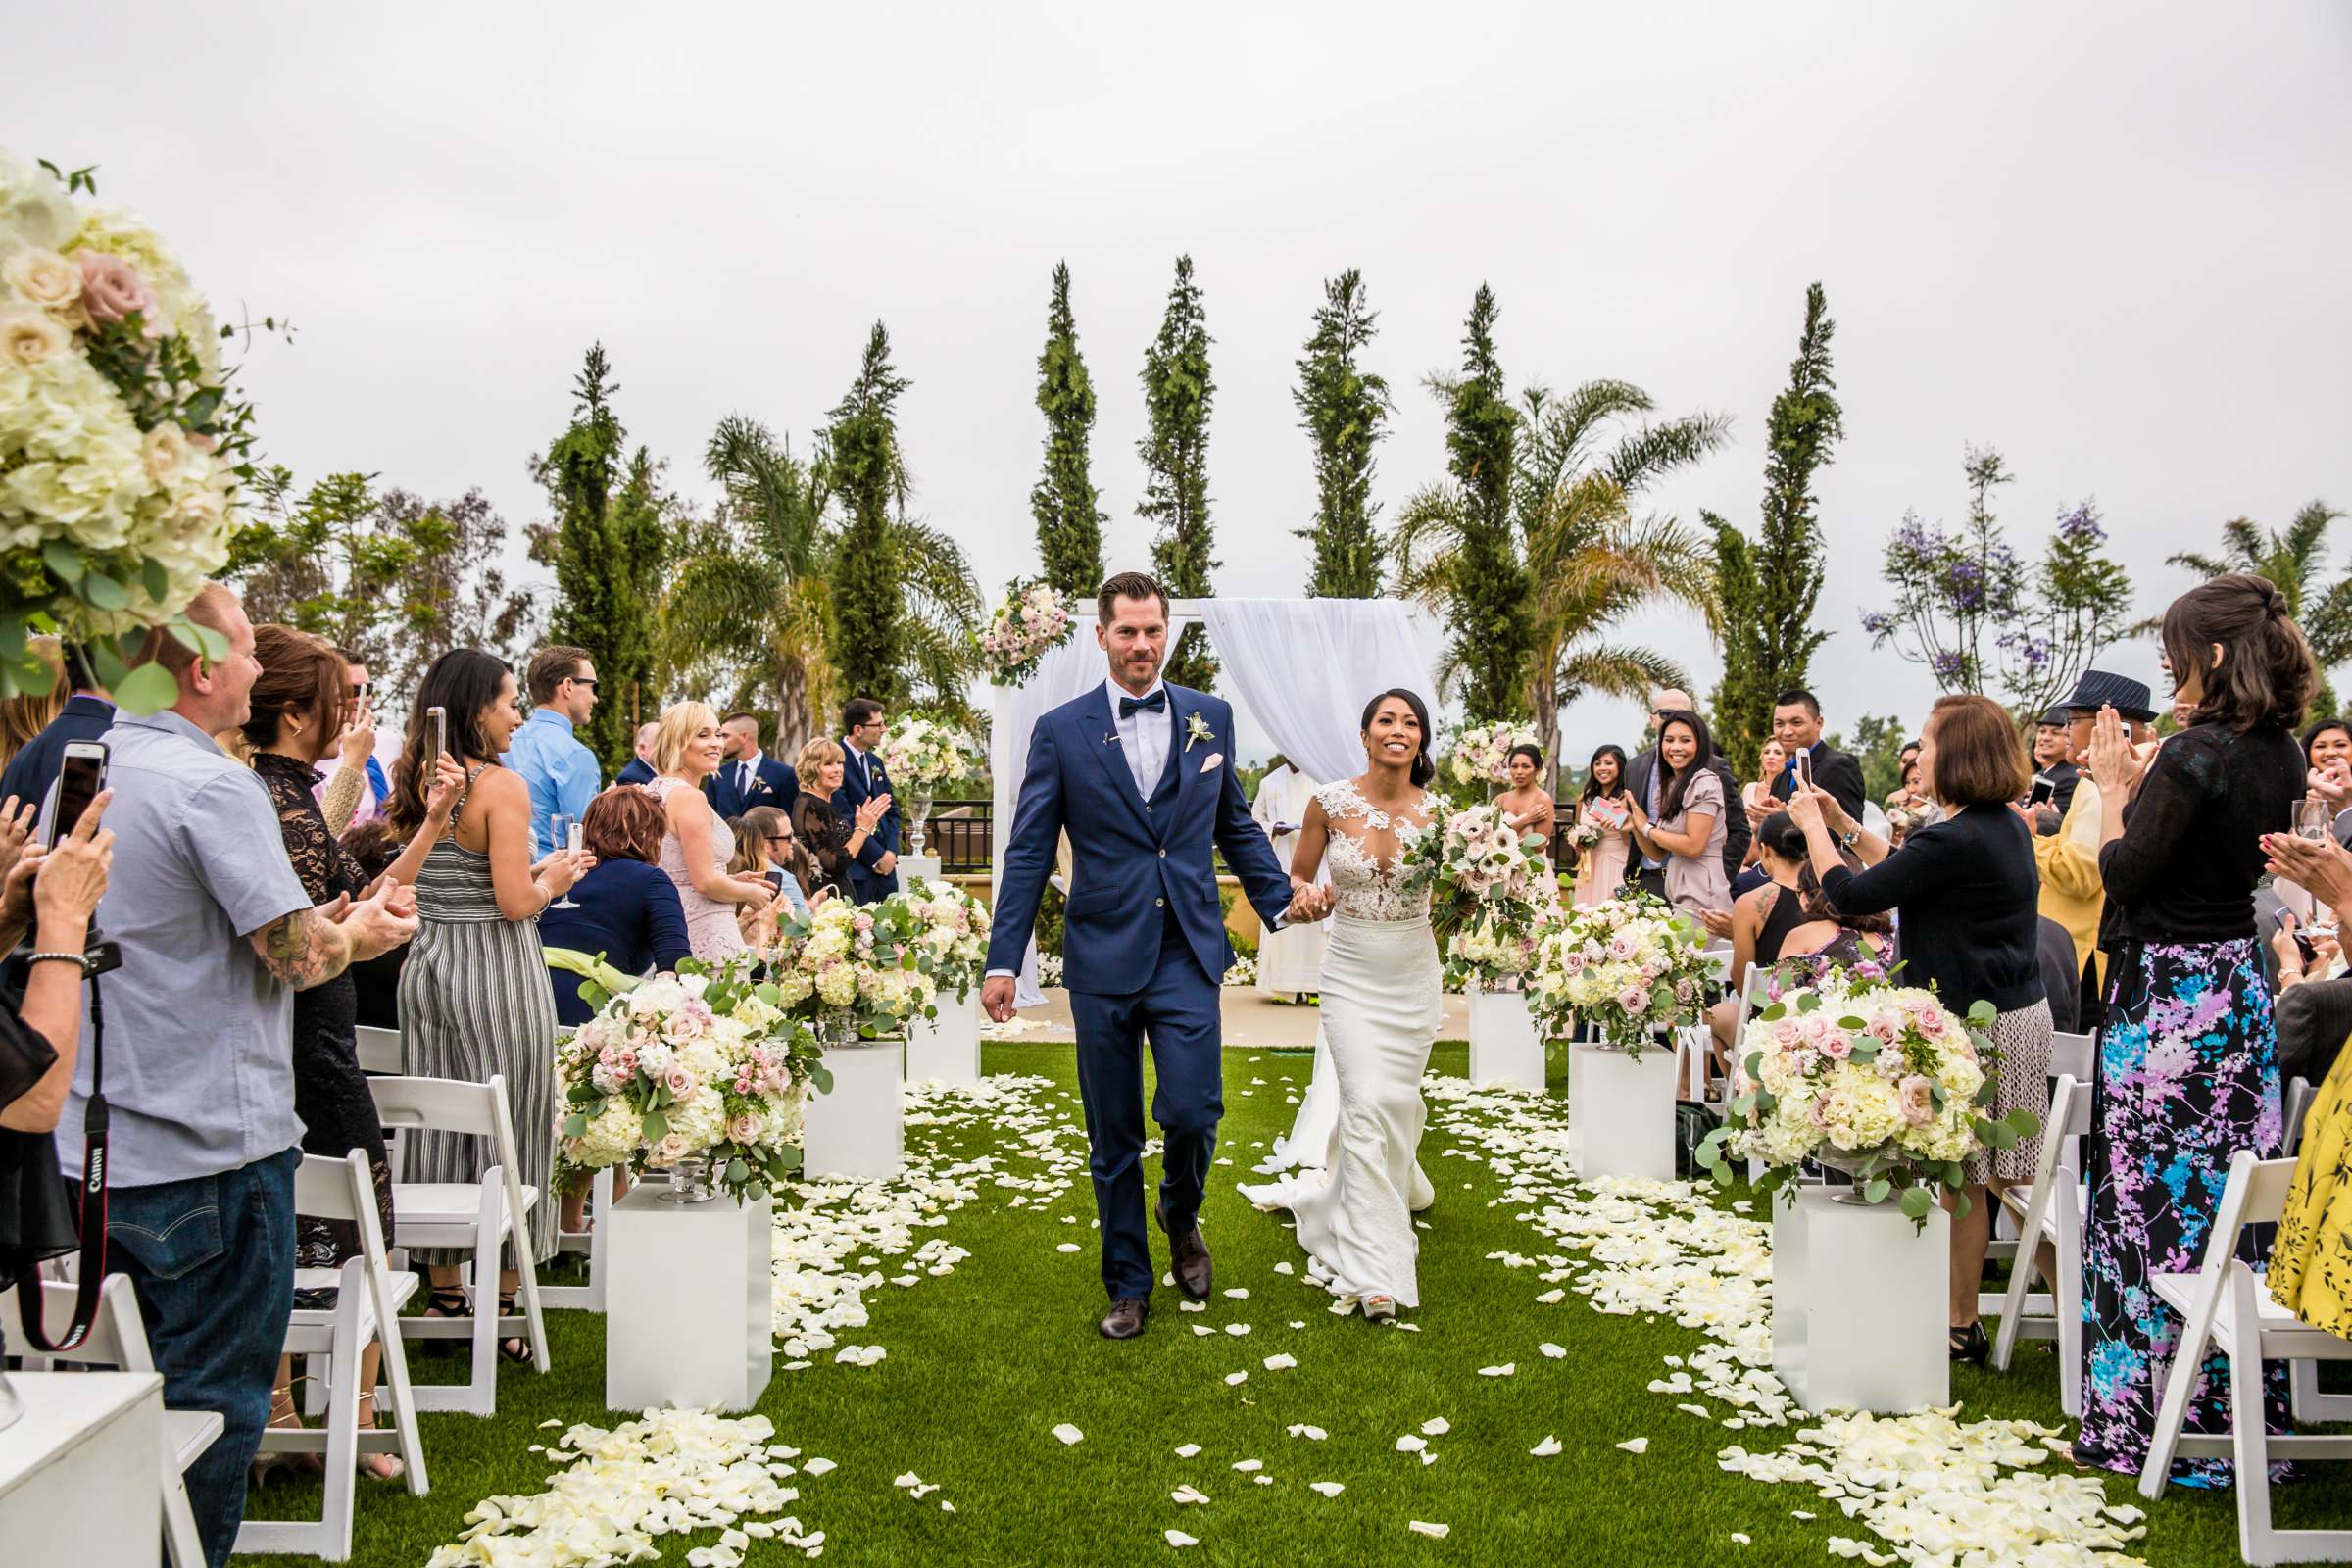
(561, 773)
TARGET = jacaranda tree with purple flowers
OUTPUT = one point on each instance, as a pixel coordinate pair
(1972, 611)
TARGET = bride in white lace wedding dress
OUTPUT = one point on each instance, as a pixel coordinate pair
(1382, 1002)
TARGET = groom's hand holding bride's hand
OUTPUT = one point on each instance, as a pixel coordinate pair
(996, 998)
(1308, 902)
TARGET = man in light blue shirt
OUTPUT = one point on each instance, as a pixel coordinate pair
(561, 773)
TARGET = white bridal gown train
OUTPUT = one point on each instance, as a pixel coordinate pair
(1381, 1004)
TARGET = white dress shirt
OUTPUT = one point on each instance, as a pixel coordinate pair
(744, 774)
(1143, 736)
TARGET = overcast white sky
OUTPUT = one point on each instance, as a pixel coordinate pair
(2111, 240)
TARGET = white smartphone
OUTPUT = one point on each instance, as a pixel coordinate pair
(79, 780)
(438, 718)
(1804, 769)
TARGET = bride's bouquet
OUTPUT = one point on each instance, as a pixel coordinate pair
(121, 442)
(1491, 892)
(1482, 752)
(1881, 1079)
(701, 1068)
(1032, 621)
(853, 971)
(1631, 967)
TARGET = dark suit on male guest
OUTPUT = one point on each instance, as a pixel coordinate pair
(1642, 770)
(637, 771)
(1833, 771)
(862, 779)
(736, 788)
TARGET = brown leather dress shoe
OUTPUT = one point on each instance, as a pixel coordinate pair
(1189, 1259)
(1125, 1319)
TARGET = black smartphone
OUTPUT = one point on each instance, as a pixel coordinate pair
(2042, 793)
(78, 781)
(2302, 942)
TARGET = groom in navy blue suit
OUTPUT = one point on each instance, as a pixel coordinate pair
(1141, 773)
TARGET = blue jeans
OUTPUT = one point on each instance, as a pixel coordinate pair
(1177, 1013)
(212, 1260)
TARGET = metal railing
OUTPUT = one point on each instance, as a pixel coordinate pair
(963, 834)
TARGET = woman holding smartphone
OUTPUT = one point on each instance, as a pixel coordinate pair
(473, 997)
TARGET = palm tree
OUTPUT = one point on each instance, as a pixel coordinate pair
(1591, 559)
(2292, 560)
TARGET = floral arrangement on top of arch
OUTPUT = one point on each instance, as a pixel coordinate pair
(1492, 892)
(1034, 619)
(1632, 967)
(701, 1070)
(1482, 752)
(122, 446)
(1882, 1080)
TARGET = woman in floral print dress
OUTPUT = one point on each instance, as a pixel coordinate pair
(2188, 1072)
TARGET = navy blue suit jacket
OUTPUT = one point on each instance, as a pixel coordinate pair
(636, 770)
(1137, 861)
(854, 792)
(629, 915)
(773, 784)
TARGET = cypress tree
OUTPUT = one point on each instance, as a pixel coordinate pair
(1769, 587)
(864, 468)
(606, 548)
(1069, 518)
(1342, 407)
(1492, 615)
(1177, 391)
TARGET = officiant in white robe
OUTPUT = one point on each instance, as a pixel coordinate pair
(1290, 961)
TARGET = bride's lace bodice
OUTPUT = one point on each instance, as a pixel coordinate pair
(1366, 853)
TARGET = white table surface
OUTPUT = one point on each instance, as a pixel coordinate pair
(81, 1472)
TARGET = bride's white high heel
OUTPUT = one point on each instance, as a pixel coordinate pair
(1379, 1308)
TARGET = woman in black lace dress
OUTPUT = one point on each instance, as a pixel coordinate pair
(299, 704)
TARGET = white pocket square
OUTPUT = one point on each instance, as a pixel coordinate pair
(1213, 762)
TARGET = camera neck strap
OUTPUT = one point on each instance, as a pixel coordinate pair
(92, 1277)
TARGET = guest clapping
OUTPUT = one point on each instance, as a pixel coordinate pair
(833, 842)
(1964, 893)
(1688, 834)
(2187, 1073)
(698, 845)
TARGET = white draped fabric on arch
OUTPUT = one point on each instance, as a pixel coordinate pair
(1303, 668)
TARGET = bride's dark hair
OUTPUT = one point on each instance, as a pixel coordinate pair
(1423, 769)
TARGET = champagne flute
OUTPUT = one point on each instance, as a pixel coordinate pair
(564, 831)
(2313, 822)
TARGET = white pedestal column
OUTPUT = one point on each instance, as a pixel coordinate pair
(1858, 1304)
(948, 1047)
(858, 1130)
(81, 1477)
(1621, 1111)
(1504, 1048)
(690, 1306)
(912, 867)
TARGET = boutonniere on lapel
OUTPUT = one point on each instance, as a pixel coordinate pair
(1195, 728)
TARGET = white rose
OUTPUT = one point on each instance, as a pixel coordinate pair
(28, 335)
(44, 278)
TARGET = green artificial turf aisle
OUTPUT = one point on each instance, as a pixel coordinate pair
(984, 1362)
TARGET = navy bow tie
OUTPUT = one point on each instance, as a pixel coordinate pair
(1158, 702)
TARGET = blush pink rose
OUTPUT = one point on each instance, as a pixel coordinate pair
(1918, 1100)
(1836, 1046)
(744, 1128)
(679, 1080)
(112, 290)
(1932, 1020)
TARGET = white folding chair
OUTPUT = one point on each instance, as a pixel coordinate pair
(367, 1299)
(481, 1217)
(2052, 1211)
(382, 1053)
(118, 1340)
(588, 1298)
(2300, 1093)
(2227, 1305)
(2072, 1055)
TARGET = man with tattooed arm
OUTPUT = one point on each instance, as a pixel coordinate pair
(217, 936)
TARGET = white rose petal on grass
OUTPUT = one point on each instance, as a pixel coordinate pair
(1551, 1297)
(1437, 1426)
(1740, 1538)
(1238, 1293)
(1421, 1527)
(550, 1421)
(1411, 1444)
(1329, 1488)
(1698, 1410)
(1282, 1269)
(1249, 1466)
(1188, 1497)
(1551, 1352)
(1234, 1380)
(1507, 1369)
(1298, 1325)
(1192, 1306)
(1067, 1246)
(1428, 1459)
(1237, 1330)
(1264, 1480)
(1634, 1444)
(1546, 1449)
(1187, 1450)
(1202, 1331)
(1313, 1433)
(1068, 1433)
(1176, 1537)
(818, 1467)
(1281, 1364)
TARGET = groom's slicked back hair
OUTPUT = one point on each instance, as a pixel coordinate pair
(1128, 585)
